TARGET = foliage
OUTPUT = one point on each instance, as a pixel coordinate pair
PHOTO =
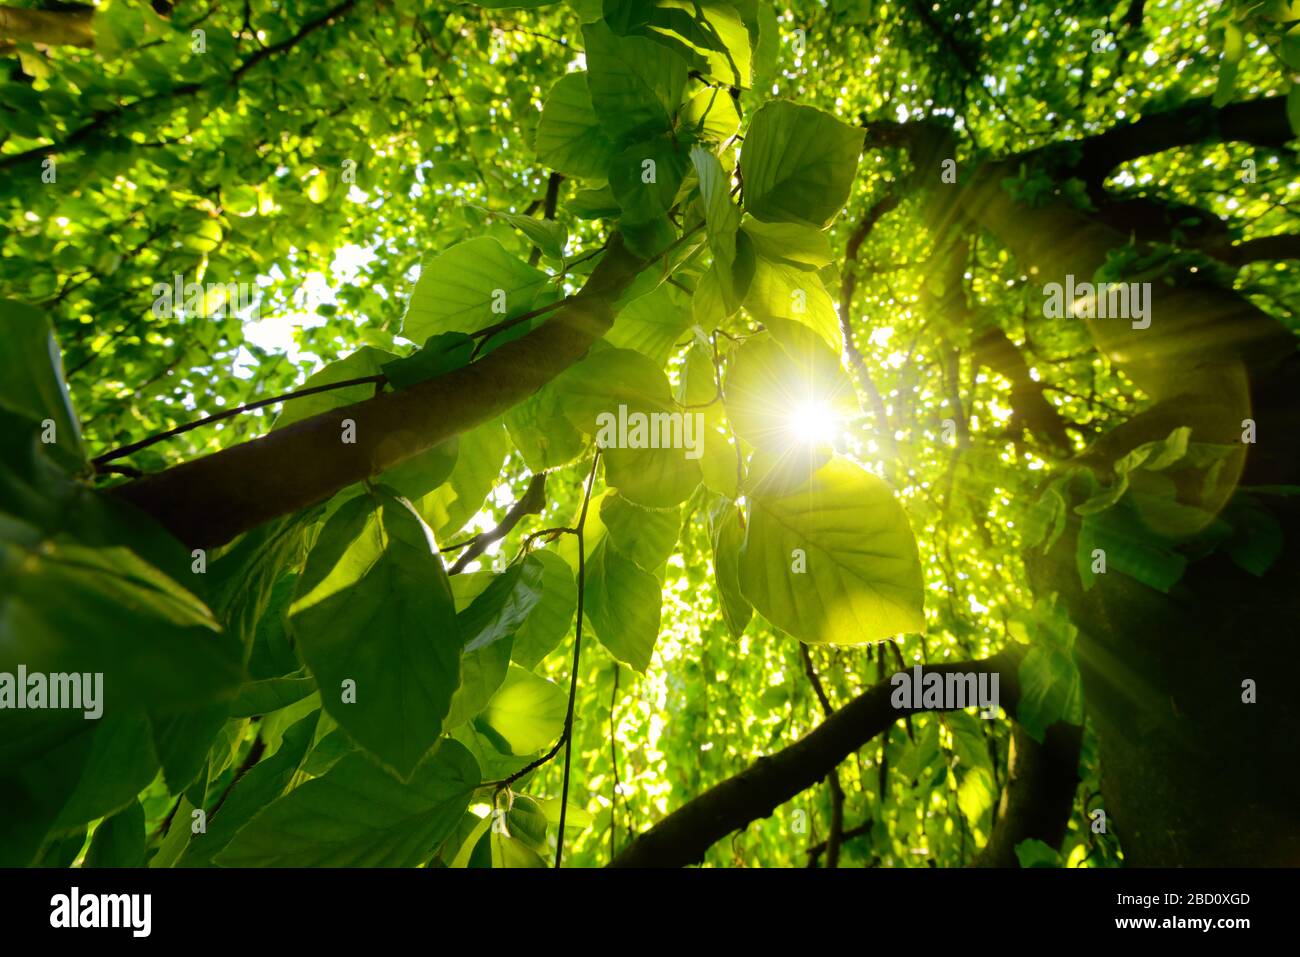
(408, 190)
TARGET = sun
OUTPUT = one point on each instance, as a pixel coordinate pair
(813, 422)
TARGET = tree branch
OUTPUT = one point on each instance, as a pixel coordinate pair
(50, 27)
(1039, 793)
(685, 835)
(210, 500)
(530, 503)
(1259, 122)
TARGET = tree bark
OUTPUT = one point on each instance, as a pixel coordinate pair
(1039, 794)
(49, 27)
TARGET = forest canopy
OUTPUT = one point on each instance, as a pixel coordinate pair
(524, 434)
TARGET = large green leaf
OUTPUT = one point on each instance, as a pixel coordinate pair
(622, 605)
(636, 84)
(651, 324)
(570, 138)
(551, 618)
(645, 535)
(65, 608)
(366, 361)
(861, 579)
(784, 395)
(503, 605)
(713, 29)
(526, 713)
(374, 609)
(645, 178)
(728, 536)
(357, 815)
(798, 164)
(472, 285)
(119, 840)
(721, 215)
(782, 290)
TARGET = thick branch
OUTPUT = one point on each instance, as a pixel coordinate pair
(208, 501)
(1039, 795)
(51, 27)
(1030, 408)
(1259, 122)
(685, 835)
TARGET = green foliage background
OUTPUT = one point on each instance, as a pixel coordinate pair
(227, 165)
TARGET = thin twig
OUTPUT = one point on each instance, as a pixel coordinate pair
(126, 450)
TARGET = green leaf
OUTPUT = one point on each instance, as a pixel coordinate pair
(271, 694)
(645, 178)
(714, 30)
(526, 713)
(546, 234)
(503, 606)
(366, 361)
(441, 354)
(767, 46)
(1050, 688)
(645, 535)
(119, 840)
(863, 577)
(651, 324)
(262, 784)
(728, 536)
(481, 674)
(374, 608)
(357, 815)
(480, 454)
(472, 285)
(570, 138)
(1035, 853)
(636, 84)
(1290, 49)
(1233, 46)
(711, 115)
(65, 608)
(1293, 108)
(721, 215)
(622, 605)
(777, 391)
(790, 243)
(542, 432)
(1129, 548)
(798, 164)
(31, 380)
(780, 290)
(552, 616)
